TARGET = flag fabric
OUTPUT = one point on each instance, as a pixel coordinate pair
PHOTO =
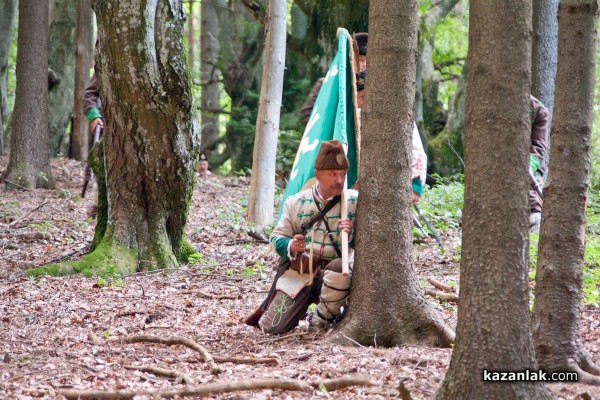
(332, 117)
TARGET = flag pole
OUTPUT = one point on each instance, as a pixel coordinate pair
(344, 234)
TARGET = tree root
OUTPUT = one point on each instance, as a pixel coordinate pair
(226, 387)
(441, 286)
(180, 376)
(169, 341)
(584, 375)
(449, 297)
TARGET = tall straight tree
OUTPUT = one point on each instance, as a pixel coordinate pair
(79, 138)
(61, 60)
(544, 51)
(262, 183)
(29, 161)
(209, 50)
(7, 19)
(493, 318)
(558, 281)
(150, 139)
(387, 307)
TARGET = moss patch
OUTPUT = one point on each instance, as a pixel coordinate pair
(109, 259)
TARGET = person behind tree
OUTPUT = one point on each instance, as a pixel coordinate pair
(92, 106)
(419, 158)
(537, 158)
(329, 288)
(203, 171)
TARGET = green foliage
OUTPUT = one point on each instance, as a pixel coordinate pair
(288, 144)
(443, 203)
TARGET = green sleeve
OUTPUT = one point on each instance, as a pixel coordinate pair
(417, 186)
(92, 114)
(534, 163)
(281, 245)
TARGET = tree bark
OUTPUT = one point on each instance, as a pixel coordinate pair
(545, 53)
(387, 307)
(29, 161)
(262, 184)
(79, 138)
(150, 139)
(61, 60)
(7, 20)
(493, 317)
(209, 44)
(558, 285)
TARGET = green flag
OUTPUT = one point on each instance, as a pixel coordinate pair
(332, 117)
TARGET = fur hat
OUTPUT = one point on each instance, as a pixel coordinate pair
(361, 40)
(331, 156)
(203, 157)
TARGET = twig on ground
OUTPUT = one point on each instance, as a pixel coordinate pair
(283, 337)
(439, 285)
(180, 376)
(26, 235)
(29, 213)
(450, 297)
(225, 387)
(17, 185)
(212, 296)
(169, 341)
(236, 360)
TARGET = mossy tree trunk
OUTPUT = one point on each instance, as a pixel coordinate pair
(558, 283)
(387, 307)
(29, 162)
(492, 332)
(150, 139)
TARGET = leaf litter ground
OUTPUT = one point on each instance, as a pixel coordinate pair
(70, 332)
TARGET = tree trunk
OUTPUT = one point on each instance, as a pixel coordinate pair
(493, 318)
(150, 140)
(387, 306)
(558, 284)
(191, 36)
(209, 43)
(29, 161)
(544, 55)
(61, 60)
(79, 138)
(262, 183)
(7, 19)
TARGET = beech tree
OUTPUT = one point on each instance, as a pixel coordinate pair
(29, 161)
(7, 19)
(558, 282)
(262, 183)
(150, 139)
(493, 318)
(387, 307)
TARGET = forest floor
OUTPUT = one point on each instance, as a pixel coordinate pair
(78, 333)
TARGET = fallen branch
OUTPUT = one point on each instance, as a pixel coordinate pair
(236, 360)
(450, 297)
(439, 285)
(213, 296)
(17, 185)
(251, 384)
(283, 337)
(180, 376)
(29, 213)
(169, 341)
(26, 235)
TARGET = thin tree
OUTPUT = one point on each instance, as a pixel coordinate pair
(7, 20)
(209, 50)
(79, 137)
(262, 183)
(61, 61)
(558, 283)
(493, 318)
(29, 161)
(191, 35)
(387, 307)
(150, 139)
(544, 51)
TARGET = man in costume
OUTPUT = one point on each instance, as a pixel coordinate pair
(327, 286)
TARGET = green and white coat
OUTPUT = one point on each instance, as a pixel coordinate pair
(297, 210)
